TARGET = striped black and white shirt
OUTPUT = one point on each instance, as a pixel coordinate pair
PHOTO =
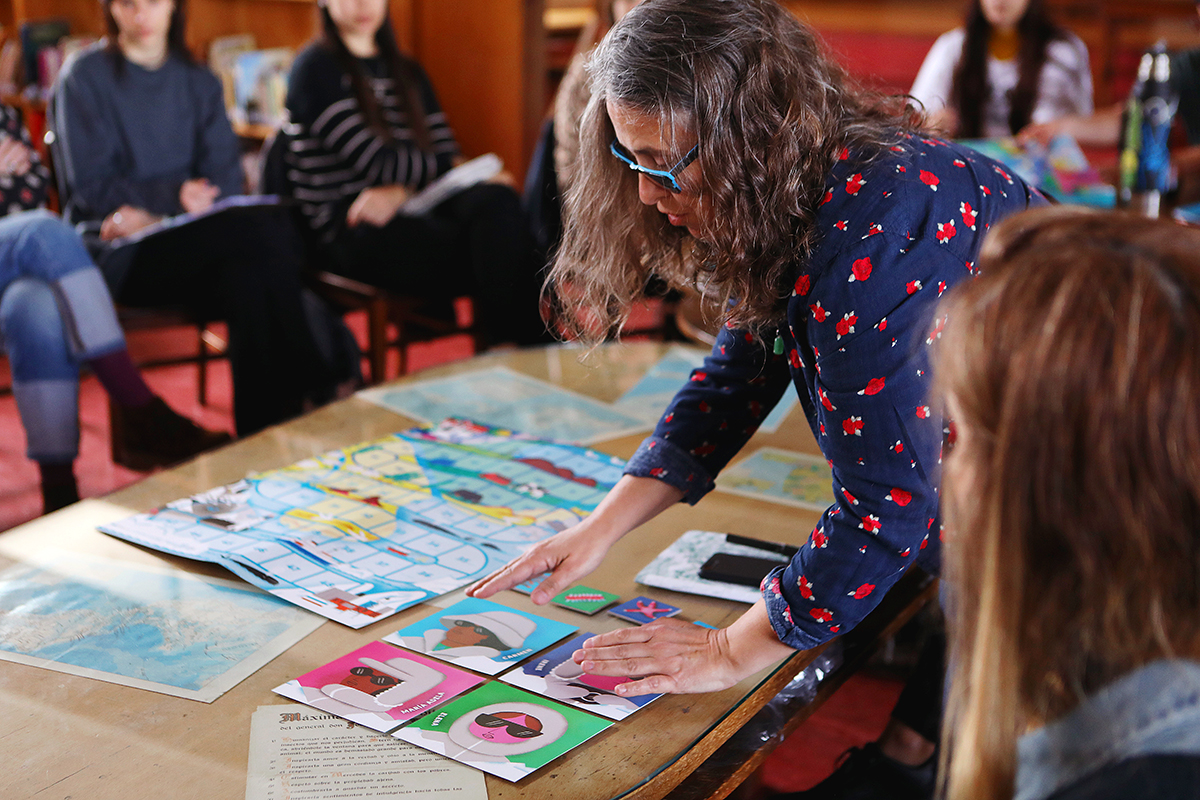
(335, 154)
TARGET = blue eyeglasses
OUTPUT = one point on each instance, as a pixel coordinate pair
(666, 178)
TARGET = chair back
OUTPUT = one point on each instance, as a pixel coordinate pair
(55, 160)
(273, 166)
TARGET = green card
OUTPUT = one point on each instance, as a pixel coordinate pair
(502, 730)
(585, 599)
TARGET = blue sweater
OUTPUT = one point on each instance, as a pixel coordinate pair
(860, 320)
(134, 138)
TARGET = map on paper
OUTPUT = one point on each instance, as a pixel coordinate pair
(781, 476)
(649, 398)
(160, 630)
(361, 533)
(508, 399)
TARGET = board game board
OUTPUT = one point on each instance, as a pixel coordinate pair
(361, 533)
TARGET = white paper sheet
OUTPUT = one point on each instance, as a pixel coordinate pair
(297, 752)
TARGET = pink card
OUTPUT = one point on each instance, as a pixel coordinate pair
(379, 686)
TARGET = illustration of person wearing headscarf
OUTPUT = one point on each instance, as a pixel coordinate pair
(484, 633)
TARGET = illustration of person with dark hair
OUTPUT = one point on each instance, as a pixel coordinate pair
(383, 685)
(496, 731)
(569, 683)
(485, 633)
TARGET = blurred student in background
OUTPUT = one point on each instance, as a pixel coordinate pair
(1071, 371)
(1103, 127)
(371, 134)
(1007, 67)
(56, 315)
(143, 136)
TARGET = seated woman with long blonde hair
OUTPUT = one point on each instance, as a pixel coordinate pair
(1071, 371)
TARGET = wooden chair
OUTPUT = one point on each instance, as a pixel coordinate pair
(408, 314)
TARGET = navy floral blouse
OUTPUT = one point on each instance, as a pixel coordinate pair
(896, 234)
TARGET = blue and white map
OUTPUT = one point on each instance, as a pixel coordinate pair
(361, 533)
(165, 631)
(509, 399)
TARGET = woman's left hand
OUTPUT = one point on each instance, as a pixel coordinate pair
(377, 205)
(15, 156)
(673, 656)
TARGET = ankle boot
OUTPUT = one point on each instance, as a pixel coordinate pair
(154, 435)
(59, 489)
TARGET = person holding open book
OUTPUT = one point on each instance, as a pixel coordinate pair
(370, 133)
(143, 136)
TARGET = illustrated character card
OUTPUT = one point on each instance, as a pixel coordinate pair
(556, 676)
(481, 635)
(502, 730)
(379, 686)
(642, 610)
(585, 599)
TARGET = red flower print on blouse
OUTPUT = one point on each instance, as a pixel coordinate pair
(845, 325)
(969, 214)
(945, 231)
(860, 270)
(819, 540)
(874, 386)
(929, 179)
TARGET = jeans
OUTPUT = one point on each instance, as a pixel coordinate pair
(55, 311)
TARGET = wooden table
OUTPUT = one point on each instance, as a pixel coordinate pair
(66, 736)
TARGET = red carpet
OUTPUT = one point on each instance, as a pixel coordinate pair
(854, 715)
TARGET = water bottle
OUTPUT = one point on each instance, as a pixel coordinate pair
(1145, 173)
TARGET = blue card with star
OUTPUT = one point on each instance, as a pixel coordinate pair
(641, 610)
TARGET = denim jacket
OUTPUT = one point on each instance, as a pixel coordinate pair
(1154, 710)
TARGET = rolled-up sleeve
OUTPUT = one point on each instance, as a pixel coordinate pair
(713, 416)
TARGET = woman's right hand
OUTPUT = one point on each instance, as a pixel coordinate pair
(197, 195)
(377, 205)
(578, 550)
(568, 556)
(124, 221)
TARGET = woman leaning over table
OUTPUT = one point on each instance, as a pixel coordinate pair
(144, 135)
(722, 146)
(1071, 369)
